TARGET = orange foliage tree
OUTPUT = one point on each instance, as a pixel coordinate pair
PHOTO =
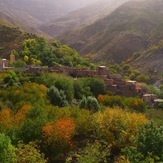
(21, 114)
(132, 103)
(58, 137)
(6, 119)
(29, 93)
(61, 131)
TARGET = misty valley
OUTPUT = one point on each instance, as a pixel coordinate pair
(81, 81)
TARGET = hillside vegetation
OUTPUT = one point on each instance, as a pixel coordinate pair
(48, 117)
(11, 38)
(31, 49)
(49, 120)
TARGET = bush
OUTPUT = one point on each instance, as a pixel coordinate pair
(61, 82)
(143, 78)
(57, 98)
(83, 120)
(135, 104)
(132, 103)
(149, 145)
(90, 103)
(92, 153)
(78, 90)
(117, 127)
(59, 135)
(7, 151)
(11, 78)
(31, 127)
(111, 101)
(97, 86)
(29, 153)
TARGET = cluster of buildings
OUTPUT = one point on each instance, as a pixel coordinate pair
(151, 100)
(114, 83)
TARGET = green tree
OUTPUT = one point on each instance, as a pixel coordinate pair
(31, 127)
(19, 63)
(97, 86)
(143, 78)
(57, 98)
(78, 90)
(11, 78)
(7, 151)
(26, 58)
(149, 145)
(29, 153)
(90, 103)
(65, 84)
(92, 153)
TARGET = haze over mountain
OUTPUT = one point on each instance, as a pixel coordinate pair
(83, 16)
(110, 31)
(132, 27)
(17, 24)
(35, 12)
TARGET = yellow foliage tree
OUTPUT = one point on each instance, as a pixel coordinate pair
(117, 126)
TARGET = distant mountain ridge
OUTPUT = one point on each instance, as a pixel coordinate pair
(17, 24)
(35, 12)
(83, 16)
(109, 32)
(11, 38)
(132, 27)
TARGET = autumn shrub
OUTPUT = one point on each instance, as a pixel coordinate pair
(117, 127)
(58, 136)
(6, 119)
(132, 103)
(83, 120)
(111, 101)
(135, 104)
(92, 153)
(29, 153)
(28, 93)
(20, 115)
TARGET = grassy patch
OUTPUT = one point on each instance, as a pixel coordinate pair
(156, 116)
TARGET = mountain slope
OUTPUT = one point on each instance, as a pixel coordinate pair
(11, 38)
(35, 12)
(150, 61)
(117, 36)
(10, 8)
(22, 26)
(86, 15)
